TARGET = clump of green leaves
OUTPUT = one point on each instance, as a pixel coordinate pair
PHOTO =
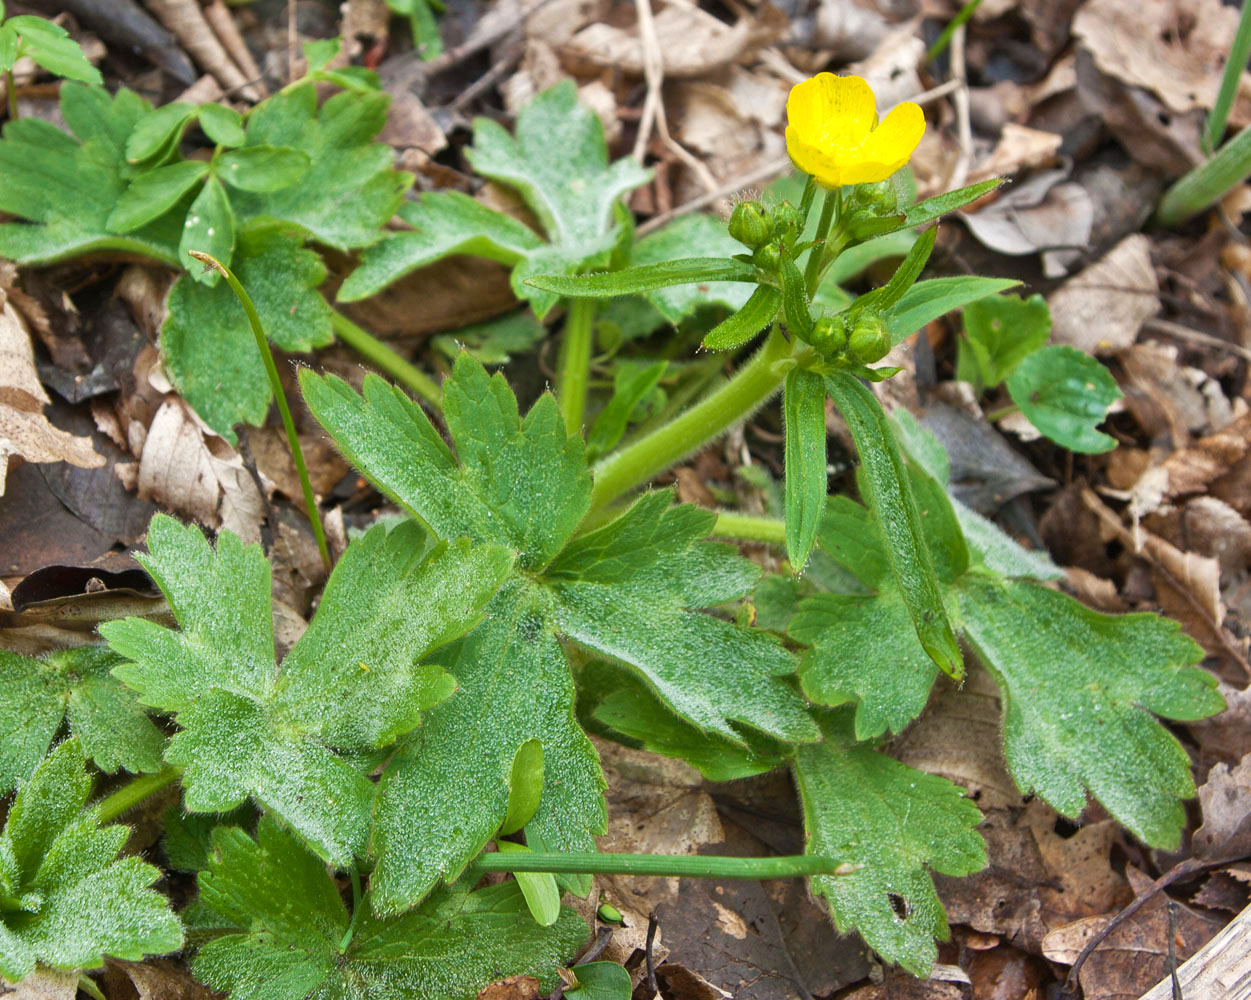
(286, 173)
(1063, 392)
(66, 899)
(74, 686)
(47, 44)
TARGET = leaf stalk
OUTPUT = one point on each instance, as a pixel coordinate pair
(267, 356)
(662, 865)
(388, 360)
(135, 791)
(575, 365)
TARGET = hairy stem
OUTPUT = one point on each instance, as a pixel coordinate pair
(661, 865)
(575, 362)
(708, 419)
(750, 528)
(812, 273)
(135, 791)
(356, 911)
(280, 396)
(383, 357)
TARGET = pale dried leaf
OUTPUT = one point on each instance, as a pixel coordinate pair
(180, 471)
(24, 430)
(1019, 148)
(1225, 799)
(693, 41)
(45, 984)
(1045, 212)
(1102, 309)
(1174, 48)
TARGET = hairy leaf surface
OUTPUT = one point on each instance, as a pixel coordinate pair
(352, 682)
(286, 922)
(66, 900)
(37, 695)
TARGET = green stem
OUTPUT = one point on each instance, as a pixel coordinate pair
(943, 40)
(661, 865)
(135, 791)
(383, 357)
(1207, 183)
(88, 985)
(993, 416)
(356, 911)
(11, 87)
(280, 396)
(812, 273)
(712, 416)
(749, 528)
(575, 364)
(1234, 68)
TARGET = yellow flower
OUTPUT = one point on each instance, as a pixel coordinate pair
(834, 135)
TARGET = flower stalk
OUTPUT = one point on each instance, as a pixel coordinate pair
(662, 865)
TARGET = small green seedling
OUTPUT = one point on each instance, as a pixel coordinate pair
(25, 36)
(1063, 392)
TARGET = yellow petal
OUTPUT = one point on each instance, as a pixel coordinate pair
(831, 112)
(811, 160)
(888, 146)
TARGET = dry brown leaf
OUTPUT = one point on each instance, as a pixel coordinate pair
(24, 430)
(513, 988)
(155, 979)
(45, 984)
(187, 22)
(1102, 309)
(1226, 889)
(1225, 799)
(1227, 736)
(1170, 399)
(1134, 955)
(1174, 48)
(945, 983)
(1094, 591)
(1045, 212)
(692, 41)
(189, 471)
(1019, 148)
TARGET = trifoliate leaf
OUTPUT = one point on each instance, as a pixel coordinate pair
(1079, 691)
(350, 191)
(289, 923)
(52, 48)
(71, 217)
(208, 343)
(1066, 393)
(1079, 687)
(629, 590)
(352, 682)
(37, 695)
(558, 162)
(66, 901)
(897, 824)
(1000, 332)
(445, 795)
(626, 590)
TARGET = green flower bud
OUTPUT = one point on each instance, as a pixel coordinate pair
(786, 221)
(750, 225)
(768, 258)
(829, 335)
(878, 199)
(869, 340)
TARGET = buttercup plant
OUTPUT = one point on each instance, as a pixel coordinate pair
(431, 725)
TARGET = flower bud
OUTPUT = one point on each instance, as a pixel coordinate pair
(829, 335)
(786, 220)
(869, 340)
(750, 225)
(768, 258)
(879, 199)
